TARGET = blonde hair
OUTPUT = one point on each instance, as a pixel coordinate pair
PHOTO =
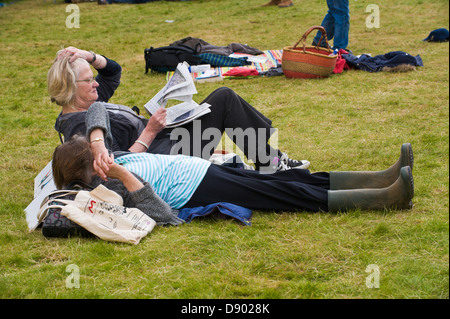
(61, 79)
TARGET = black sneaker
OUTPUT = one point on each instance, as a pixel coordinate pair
(285, 163)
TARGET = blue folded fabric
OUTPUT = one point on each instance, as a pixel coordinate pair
(238, 212)
(377, 63)
(222, 60)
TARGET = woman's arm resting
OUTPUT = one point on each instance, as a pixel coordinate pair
(156, 124)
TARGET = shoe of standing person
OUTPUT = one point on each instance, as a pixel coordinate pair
(285, 4)
(272, 3)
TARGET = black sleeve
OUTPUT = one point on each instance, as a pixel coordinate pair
(108, 79)
(112, 68)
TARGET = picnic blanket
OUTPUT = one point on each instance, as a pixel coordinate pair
(260, 63)
(272, 59)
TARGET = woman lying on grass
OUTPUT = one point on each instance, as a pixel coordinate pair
(143, 179)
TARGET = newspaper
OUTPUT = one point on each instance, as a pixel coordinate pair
(43, 185)
(180, 87)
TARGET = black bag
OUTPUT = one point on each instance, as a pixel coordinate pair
(166, 59)
(57, 225)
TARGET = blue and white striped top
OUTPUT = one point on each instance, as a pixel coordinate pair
(173, 177)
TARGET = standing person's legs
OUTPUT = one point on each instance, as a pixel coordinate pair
(341, 14)
(328, 24)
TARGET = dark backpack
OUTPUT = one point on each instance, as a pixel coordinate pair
(166, 59)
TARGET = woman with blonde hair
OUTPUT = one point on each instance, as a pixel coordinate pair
(71, 82)
(72, 85)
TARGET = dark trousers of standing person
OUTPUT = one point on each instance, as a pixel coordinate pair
(290, 190)
(250, 130)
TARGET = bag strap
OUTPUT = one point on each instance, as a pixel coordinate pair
(54, 196)
(185, 47)
(58, 203)
(323, 36)
(78, 184)
(58, 194)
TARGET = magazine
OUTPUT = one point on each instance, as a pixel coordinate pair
(180, 87)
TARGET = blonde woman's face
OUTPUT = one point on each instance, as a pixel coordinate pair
(86, 88)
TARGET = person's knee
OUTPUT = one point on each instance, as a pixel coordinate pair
(223, 92)
(221, 98)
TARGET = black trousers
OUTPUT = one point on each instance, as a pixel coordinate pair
(229, 113)
(291, 190)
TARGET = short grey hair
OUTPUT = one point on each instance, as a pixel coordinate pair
(61, 79)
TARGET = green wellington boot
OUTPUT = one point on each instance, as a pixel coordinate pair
(396, 196)
(375, 179)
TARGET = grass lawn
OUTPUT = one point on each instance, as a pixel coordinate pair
(352, 121)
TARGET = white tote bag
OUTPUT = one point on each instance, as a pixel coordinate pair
(100, 211)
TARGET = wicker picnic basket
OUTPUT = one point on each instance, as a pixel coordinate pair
(310, 61)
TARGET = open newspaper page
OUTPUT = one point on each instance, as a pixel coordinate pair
(180, 87)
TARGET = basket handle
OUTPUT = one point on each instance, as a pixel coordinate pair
(323, 33)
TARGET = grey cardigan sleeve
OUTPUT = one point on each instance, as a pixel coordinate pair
(97, 117)
(151, 204)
